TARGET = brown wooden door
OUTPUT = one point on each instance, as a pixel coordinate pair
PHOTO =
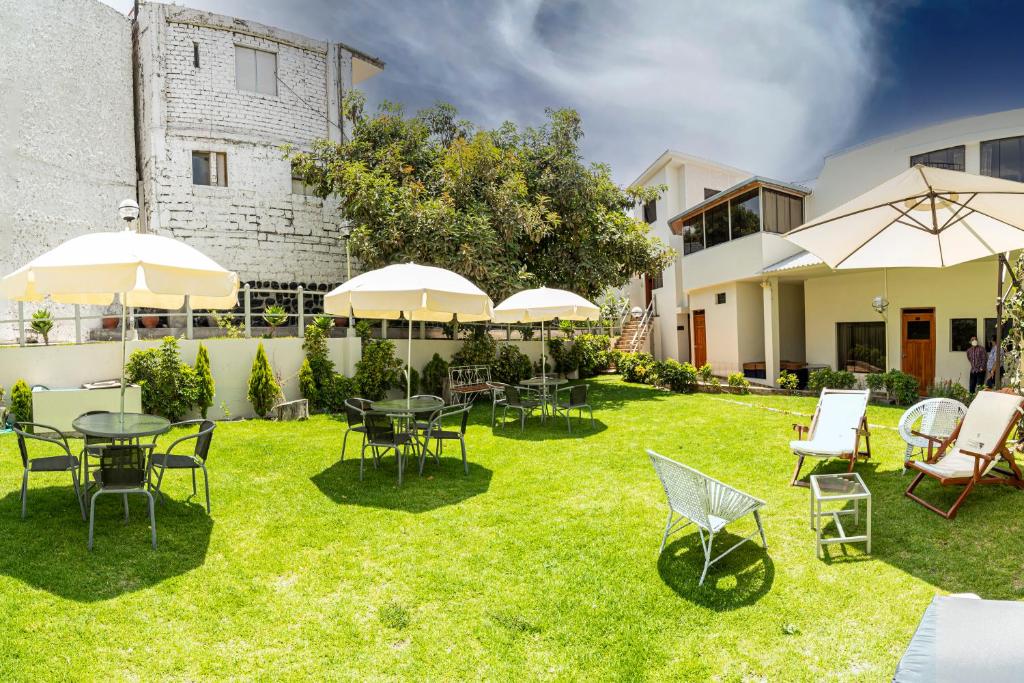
(648, 290)
(918, 352)
(700, 340)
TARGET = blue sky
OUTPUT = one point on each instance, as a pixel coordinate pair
(768, 86)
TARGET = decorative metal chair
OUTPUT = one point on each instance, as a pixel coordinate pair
(938, 418)
(708, 503)
(196, 460)
(122, 472)
(524, 401)
(497, 398)
(436, 432)
(575, 400)
(355, 409)
(29, 432)
(382, 434)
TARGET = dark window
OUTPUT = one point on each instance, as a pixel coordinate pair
(782, 212)
(990, 330)
(1002, 158)
(210, 168)
(195, 55)
(746, 215)
(861, 346)
(693, 235)
(709, 193)
(651, 211)
(951, 158)
(960, 332)
(716, 225)
(657, 280)
(720, 298)
(919, 329)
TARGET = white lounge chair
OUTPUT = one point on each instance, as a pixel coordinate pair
(695, 498)
(969, 455)
(932, 417)
(839, 422)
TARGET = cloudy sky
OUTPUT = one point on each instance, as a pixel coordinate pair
(768, 86)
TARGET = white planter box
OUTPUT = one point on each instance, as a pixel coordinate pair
(59, 407)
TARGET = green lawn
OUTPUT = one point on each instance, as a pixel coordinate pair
(541, 564)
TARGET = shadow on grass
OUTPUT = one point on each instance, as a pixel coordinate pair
(551, 429)
(440, 486)
(47, 549)
(739, 579)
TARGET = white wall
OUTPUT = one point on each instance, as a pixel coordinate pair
(791, 322)
(720, 326)
(67, 147)
(736, 259)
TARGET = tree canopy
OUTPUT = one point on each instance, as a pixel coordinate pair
(509, 208)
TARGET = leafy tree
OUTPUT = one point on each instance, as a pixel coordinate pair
(508, 208)
(170, 387)
(207, 386)
(42, 324)
(378, 370)
(263, 387)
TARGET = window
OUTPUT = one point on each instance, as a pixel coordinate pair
(861, 346)
(745, 213)
(210, 168)
(255, 70)
(1002, 158)
(657, 280)
(720, 298)
(299, 185)
(960, 332)
(195, 55)
(990, 330)
(782, 212)
(693, 235)
(651, 211)
(951, 158)
(716, 225)
(709, 193)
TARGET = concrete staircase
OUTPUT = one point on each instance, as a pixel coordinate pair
(628, 332)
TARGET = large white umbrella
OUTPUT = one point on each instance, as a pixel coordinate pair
(543, 305)
(139, 269)
(411, 291)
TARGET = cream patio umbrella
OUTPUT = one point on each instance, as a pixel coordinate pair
(543, 305)
(139, 269)
(923, 218)
(411, 291)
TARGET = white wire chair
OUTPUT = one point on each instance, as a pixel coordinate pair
(936, 417)
(698, 499)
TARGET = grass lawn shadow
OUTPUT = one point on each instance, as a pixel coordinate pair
(439, 486)
(739, 579)
(47, 549)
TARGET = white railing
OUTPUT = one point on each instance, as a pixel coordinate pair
(640, 333)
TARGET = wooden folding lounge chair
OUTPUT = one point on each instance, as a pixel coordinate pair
(839, 423)
(969, 455)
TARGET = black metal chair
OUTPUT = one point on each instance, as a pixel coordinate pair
(524, 401)
(435, 431)
(88, 441)
(576, 400)
(122, 471)
(355, 409)
(196, 460)
(497, 398)
(382, 434)
(29, 431)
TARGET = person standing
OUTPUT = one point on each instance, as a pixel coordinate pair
(995, 357)
(977, 357)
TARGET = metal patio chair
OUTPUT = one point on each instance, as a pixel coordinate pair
(88, 441)
(938, 418)
(708, 503)
(436, 432)
(196, 460)
(122, 472)
(576, 400)
(497, 398)
(522, 400)
(29, 432)
(383, 434)
(355, 409)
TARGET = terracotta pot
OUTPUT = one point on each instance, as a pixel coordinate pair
(341, 322)
(111, 322)
(150, 321)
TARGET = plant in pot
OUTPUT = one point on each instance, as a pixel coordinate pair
(111, 317)
(150, 321)
(42, 324)
(275, 316)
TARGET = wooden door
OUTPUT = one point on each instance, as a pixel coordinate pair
(700, 340)
(918, 351)
(648, 290)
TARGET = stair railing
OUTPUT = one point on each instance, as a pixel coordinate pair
(641, 329)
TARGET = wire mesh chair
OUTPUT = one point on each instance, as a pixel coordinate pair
(30, 432)
(522, 400)
(576, 400)
(355, 409)
(938, 418)
(122, 471)
(196, 460)
(698, 499)
(435, 431)
(382, 434)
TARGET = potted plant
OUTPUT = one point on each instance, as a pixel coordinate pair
(275, 316)
(42, 324)
(150, 321)
(111, 317)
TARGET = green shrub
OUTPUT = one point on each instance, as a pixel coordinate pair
(511, 366)
(275, 316)
(364, 328)
(317, 376)
(435, 372)
(324, 322)
(614, 358)
(478, 349)
(901, 387)
(875, 381)
(948, 388)
(527, 332)
(591, 353)
(564, 357)
(414, 378)
(788, 381)
(307, 385)
(207, 386)
(334, 394)
(705, 373)
(739, 381)
(378, 370)
(675, 375)
(638, 367)
(170, 387)
(21, 401)
(42, 324)
(827, 378)
(263, 387)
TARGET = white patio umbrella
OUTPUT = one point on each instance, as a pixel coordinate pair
(543, 305)
(139, 269)
(411, 291)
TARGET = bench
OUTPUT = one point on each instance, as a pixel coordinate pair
(467, 382)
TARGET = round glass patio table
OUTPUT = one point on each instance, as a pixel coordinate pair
(418, 404)
(112, 426)
(543, 383)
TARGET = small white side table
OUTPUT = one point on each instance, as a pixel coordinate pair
(839, 488)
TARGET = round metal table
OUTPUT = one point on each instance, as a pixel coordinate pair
(420, 404)
(111, 426)
(543, 383)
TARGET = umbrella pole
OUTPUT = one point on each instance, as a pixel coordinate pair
(408, 366)
(124, 346)
(997, 369)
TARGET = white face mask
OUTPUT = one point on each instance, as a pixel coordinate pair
(974, 342)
